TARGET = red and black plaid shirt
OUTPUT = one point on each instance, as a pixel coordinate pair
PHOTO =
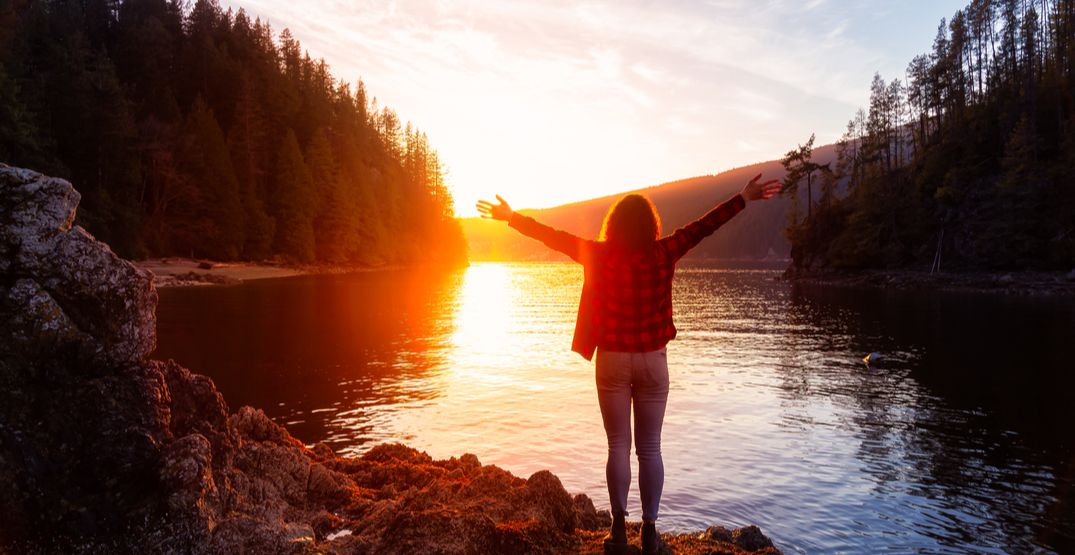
(626, 300)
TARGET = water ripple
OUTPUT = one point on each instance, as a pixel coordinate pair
(957, 443)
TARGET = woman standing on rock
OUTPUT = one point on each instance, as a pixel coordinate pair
(625, 315)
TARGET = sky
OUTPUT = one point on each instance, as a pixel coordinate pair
(548, 102)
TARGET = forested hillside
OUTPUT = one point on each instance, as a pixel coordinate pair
(191, 130)
(966, 164)
(755, 234)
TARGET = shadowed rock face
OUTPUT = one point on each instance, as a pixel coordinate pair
(99, 293)
(103, 450)
(82, 417)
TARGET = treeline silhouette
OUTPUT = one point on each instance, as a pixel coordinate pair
(964, 164)
(196, 131)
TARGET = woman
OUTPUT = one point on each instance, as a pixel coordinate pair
(625, 315)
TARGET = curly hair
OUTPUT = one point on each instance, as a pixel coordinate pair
(632, 223)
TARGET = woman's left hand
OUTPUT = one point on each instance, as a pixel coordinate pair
(761, 191)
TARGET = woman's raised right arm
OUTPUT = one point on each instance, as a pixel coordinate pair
(562, 241)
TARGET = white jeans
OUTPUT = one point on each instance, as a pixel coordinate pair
(643, 379)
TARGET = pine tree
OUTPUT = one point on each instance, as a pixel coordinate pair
(19, 137)
(369, 241)
(247, 144)
(293, 202)
(146, 40)
(799, 166)
(219, 198)
(334, 218)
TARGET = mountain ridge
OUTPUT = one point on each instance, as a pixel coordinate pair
(756, 234)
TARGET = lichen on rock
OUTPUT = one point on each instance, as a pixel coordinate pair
(105, 450)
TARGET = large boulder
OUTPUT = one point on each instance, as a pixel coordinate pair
(106, 297)
(82, 417)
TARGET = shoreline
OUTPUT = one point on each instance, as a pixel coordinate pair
(1018, 283)
(171, 272)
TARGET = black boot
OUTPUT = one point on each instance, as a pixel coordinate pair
(616, 539)
(650, 539)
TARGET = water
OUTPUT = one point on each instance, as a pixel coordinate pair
(962, 442)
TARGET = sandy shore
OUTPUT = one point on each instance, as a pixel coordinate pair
(186, 272)
(180, 272)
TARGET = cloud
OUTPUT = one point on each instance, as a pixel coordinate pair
(605, 94)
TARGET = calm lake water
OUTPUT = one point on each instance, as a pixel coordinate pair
(961, 442)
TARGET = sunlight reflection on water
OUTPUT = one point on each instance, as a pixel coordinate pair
(772, 417)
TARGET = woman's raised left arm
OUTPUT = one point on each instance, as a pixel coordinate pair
(688, 236)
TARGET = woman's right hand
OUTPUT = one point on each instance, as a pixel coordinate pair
(495, 211)
(761, 191)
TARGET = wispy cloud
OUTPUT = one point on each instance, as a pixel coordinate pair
(559, 100)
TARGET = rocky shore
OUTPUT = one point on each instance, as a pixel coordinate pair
(103, 450)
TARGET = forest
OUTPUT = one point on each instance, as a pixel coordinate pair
(190, 130)
(964, 164)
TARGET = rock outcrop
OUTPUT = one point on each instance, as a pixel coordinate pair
(104, 450)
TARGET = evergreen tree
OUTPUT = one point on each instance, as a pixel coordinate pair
(799, 166)
(293, 202)
(366, 238)
(206, 156)
(19, 139)
(333, 221)
(247, 144)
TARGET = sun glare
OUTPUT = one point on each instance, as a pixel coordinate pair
(484, 312)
